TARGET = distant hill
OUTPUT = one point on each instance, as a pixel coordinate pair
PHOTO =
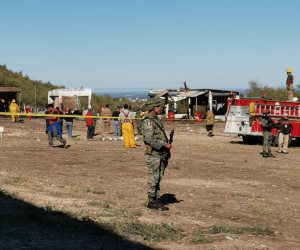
(29, 88)
(129, 93)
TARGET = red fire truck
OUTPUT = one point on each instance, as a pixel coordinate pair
(242, 117)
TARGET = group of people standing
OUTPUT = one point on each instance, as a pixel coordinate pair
(123, 121)
(284, 128)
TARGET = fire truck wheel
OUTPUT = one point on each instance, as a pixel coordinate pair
(251, 140)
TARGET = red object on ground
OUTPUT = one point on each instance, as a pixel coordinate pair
(171, 116)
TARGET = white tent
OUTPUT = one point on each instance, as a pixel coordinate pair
(72, 92)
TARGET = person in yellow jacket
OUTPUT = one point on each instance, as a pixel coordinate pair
(14, 109)
(210, 120)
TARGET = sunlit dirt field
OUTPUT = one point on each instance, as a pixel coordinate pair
(221, 194)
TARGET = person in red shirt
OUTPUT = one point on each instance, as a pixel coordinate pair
(91, 124)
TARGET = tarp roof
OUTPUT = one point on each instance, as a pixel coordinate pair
(162, 93)
(192, 93)
(8, 87)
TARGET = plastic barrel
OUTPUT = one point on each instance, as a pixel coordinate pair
(171, 116)
(199, 116)
(28, 110)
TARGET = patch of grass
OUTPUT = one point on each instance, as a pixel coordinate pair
(241, 230)
(55, 193)
(216, 205)
(263, 209)
(94, 203)
(136, 213)
(121, 196)
(200, 238)
(106, 204)
(238, 194)
(113, 213)
(12, 180)
(95, 191)
(151, 232)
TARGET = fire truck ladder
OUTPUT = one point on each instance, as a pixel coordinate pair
(278, 110)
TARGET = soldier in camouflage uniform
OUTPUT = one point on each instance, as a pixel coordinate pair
(267, 126)
(157, 145)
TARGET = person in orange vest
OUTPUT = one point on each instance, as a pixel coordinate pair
(14, 109)
(289, 84)
(127, 121)
(54, 127)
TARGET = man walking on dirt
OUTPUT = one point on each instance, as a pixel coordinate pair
(157, 145)
(267, 126)
(54, 127)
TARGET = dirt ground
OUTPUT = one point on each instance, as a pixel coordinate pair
(221, 194)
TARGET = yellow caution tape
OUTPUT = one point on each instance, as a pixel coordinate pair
(95, 116)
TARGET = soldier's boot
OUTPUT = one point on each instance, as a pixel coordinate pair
(161, 206)
(156, 205)
(264, 154)
(270, 154)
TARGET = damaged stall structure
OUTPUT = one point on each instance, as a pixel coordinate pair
(197, 101)
(69, 98)
(8, 92)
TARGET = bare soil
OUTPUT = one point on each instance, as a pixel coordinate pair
(211, 182)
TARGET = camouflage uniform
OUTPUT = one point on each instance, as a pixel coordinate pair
(267, 126)
(155, 141)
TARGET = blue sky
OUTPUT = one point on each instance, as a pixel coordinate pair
(145, 44)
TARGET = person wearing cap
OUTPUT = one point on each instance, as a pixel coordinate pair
(284, 131)
(156, 143)
(289, 84)
(267, 125)
(14, 109)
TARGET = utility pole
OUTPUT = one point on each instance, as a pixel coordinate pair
(35, 97)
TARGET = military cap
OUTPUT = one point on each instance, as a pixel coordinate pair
(152, 103)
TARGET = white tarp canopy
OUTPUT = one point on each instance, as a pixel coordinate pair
(192, 93)
(60, 93)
